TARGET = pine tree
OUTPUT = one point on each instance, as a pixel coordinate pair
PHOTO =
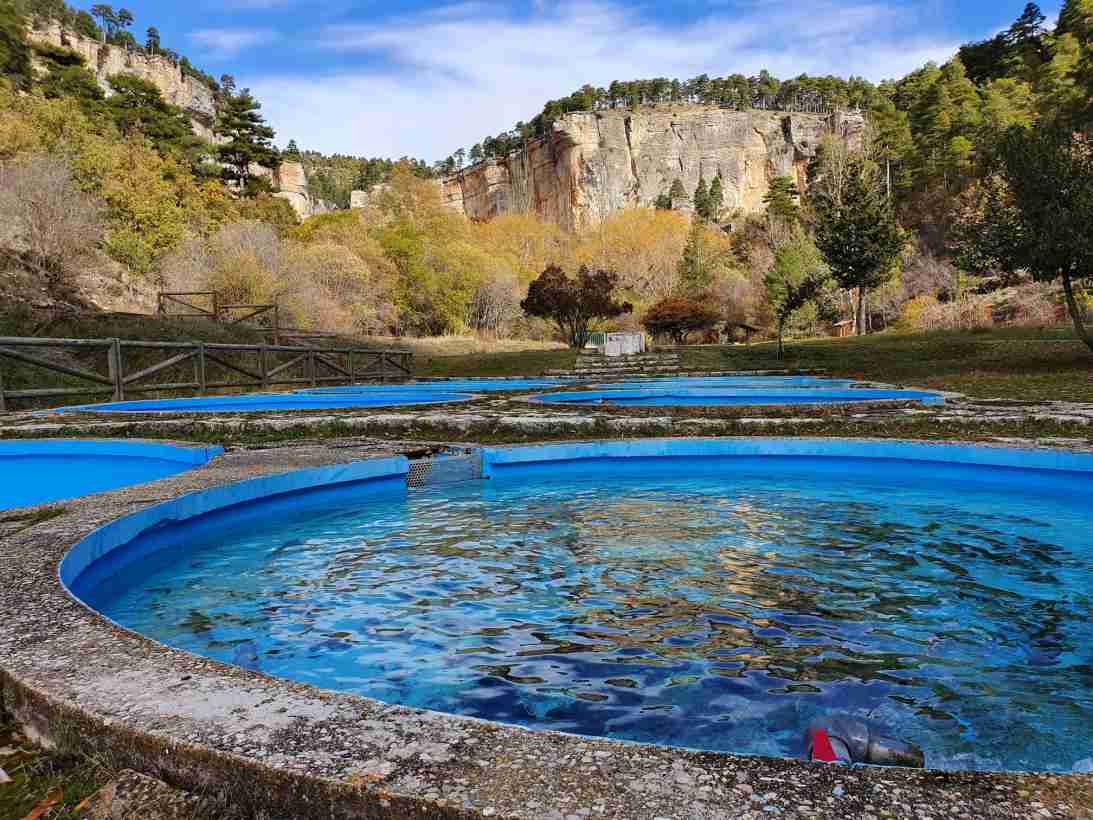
(702, 199)
(137, 106)
(716, 198)
(14, 52)
(677, 191)
(858, 234)
(152, 40)
(248, 140)
(292, 150)
(782, 208)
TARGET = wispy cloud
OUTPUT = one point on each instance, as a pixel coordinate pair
(448, 77)
(227, 42)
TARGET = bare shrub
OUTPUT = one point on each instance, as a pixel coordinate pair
(49, 223)
(494, 304)
(1033, 304)
(243, 263)
(335, 290)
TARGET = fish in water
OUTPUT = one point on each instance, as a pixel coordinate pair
(246, 655)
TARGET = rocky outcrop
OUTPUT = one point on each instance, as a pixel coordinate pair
(595, 163)
(290, 180)
(104, 61)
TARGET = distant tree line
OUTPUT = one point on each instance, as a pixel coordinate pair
(736, 91)
(333, 178)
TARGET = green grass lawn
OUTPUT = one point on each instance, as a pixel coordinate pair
(54, 783)
(524, 363)
(1017, 363)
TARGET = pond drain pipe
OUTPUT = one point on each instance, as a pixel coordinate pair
(844, 739)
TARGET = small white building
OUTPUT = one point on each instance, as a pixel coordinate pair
(617, 344)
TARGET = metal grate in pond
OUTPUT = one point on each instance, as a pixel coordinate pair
(445, 468)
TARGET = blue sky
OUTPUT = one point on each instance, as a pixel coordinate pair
(409, 77)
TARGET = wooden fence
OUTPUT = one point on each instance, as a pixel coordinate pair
(213, 366)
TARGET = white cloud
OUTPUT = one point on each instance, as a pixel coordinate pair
(447, 78)
(226, 42)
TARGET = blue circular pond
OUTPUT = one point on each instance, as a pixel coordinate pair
(39, 472)
(733, 382)
(271, 402)
(683, 396)
(484, 385)
(717, 595)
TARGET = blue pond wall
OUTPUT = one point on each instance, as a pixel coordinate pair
(123, 542)
(1026, 470)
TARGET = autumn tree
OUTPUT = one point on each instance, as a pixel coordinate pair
(642, 245)
(1034, 213)
(574, 304)
(678, 317)
(857, 233)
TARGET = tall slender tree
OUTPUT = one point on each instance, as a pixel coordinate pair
(702, 199)
(716, 199)
(152, 40)
(857, 233)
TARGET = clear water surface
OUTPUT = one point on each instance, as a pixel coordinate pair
(717, 607)
(270, 402)
(31, 474)
(678, 396)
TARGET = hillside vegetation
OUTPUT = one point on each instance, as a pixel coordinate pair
(126, 183)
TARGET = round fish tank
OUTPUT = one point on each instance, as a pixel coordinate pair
(733, 396)
(34, 472)
(276, 402)
(718, 595)
(734, 382)
(483, 385)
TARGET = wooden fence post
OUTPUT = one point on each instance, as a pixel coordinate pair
(115, 367)
(3, 401)
(311, 367)
(200, 366)
(263, 365)
(349, 357)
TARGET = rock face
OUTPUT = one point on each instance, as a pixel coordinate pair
(290, 180)
(598, 162)
(104, 61)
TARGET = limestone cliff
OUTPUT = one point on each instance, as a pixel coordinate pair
(598, 162)
(290, 180)
(104, 61)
